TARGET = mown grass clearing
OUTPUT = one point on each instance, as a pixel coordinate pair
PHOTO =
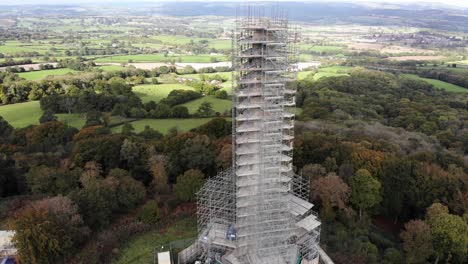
(141, 249)
(219, 105)
(164, 125)
(38, 75)
(21, 114)
(25, 114)
(440, 84)
(156, 92)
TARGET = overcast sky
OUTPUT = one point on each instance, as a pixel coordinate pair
(463, 3)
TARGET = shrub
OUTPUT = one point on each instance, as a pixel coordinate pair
(188, 184)
(221, 94)
(149, 214)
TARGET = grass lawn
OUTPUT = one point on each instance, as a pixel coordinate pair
(219, 105)
(326, 72)
(38, 75)
(25, 114)
(205, 58)
(13, 47)
(227, 86)
(164, 125)
(140, 250)
(74, 120)
(22, 114)
(156, 92)
(220, 44)
(303, 74)
(440, 84)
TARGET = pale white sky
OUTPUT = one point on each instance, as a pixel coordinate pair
(463, 3)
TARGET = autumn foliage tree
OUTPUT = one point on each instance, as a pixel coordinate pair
(48, 230)
(417, 241)
(331, 189)
(332, 192)
(157, 167)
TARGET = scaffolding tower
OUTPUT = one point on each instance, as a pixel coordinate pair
(258, 211)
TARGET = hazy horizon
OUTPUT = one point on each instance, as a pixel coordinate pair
(459, 3)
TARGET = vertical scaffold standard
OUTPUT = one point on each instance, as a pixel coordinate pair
(258, 211)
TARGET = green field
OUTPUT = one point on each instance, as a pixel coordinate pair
(219, 105)
(161, 58)
(326, 72)
(13, 47)
(303, 74)
(226, 75)
(38, 75)
(22, 114)
(440, 84)
(74, 120)
(176, 39)
(140, 250)
(464, 62)
(156, 92)
(220, 44)
(164, 125)
(110, 68)
(320, 49)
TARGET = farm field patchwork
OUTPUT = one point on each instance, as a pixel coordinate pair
(161, 58)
